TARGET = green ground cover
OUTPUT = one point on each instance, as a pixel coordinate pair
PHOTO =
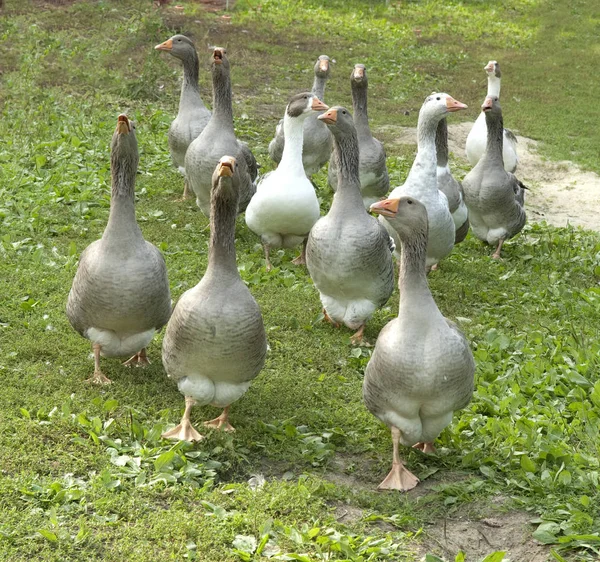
(84, 473)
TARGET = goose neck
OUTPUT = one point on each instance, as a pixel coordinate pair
(493, 86)
(318, 88)
(291, 158)
(191, 71)
(221, 251)
(495, 132)
(345, 151)
(222, 104)
(412, 279)
(441, 143)
(360, 111)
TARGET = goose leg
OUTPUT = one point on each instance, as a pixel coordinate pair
(187, 192)
(328, 319)
(267, 257)
(140, 359)
(185, 430)
(399, 478)
(221, 422)
(425, 447)
(496, 254)
(301, 259)
(357, 338)
(98, 377)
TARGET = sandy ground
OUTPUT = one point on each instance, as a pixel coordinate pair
(560, 193)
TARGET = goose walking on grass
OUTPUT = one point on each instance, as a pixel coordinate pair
(218, 139)
(285, 205)
(193, 115)
(349, 253)
(374, 180)
(120, 294)
(422, 183)
(477, 139)
(495, 198)
(316, 145)
(215, 342)
(449, 186)
(422, 368)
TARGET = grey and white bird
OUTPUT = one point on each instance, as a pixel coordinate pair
(193, 115)
(215, 342)
(349, 253)
(120, 295)
(374, 180)
(422, 368)
(495, 198)
(218, 139)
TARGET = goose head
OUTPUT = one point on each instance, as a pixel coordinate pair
(224, 181)
(359, 76)
(219, 59)
(438, 105)
(491, 105)
(124, 148)
(302, 105)
(180, 46)
(322, 67)
(339, 120)
(492, 68)
(406, 215)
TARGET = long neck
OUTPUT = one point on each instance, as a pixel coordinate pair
(412, 280)
(121, 220)
(441, 143)
(495, 132)
(221, 252)
(493, 86)
(190, 90)
(359, 106)
(318, 88)
(291, 158)
(424, 168)
(345, 151)
(222, 107)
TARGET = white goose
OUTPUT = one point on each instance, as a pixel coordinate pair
(477, 139)
(422, 368)
(285, 205)
(422, 183)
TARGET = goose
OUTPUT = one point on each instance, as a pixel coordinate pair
(218, 139)
(477, 138)
(422, 368)
(120, 295)
(285, 205)
(215, 342)
(374, 180)
(193, 115)
(494, 197)
(349, 254)
(317, 140)
(421, 182)
(449, 186)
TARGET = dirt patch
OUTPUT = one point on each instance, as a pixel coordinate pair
(508, 531)
(208, 5)
(560, 192)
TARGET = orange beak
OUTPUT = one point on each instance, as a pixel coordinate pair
(218, 56)
(226, 166)
(487, 104)
(166, 46)
(329, 118)
(123, 125)
(318, 105)
(324, 65)
(386, 207)
(359, 72)
(454, 105)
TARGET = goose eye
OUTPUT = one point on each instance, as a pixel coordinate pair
(438, 98)
(344, 112)
(410, 200)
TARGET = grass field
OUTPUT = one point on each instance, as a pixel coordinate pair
(84, 472)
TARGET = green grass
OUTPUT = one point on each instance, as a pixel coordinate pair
(85, 475)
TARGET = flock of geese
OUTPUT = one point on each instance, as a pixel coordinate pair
(422, 368)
